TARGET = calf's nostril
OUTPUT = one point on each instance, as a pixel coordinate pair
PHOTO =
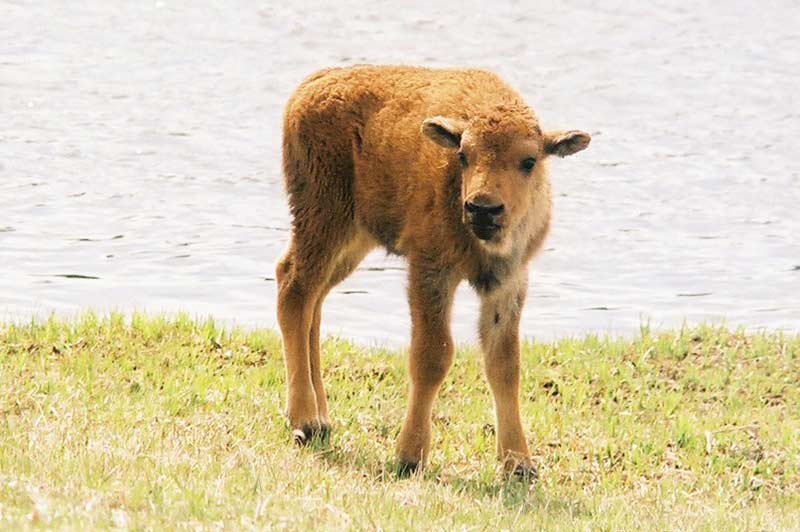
(487, 210)
(495, 210)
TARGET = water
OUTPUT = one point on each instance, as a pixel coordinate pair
(140, 160)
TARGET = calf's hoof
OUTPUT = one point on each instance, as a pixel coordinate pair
(524, 472)
(310, 432)
(405, 469)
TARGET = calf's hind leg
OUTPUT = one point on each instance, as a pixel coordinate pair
(349, 258)
(318, 172)
(297, 288)
(305, 274)
(301, 273)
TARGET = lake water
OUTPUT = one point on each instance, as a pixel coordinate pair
(140, 156)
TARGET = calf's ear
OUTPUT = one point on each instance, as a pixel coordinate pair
(563, 143)
(445, 132)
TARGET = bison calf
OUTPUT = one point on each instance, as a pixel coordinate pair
(445, 167)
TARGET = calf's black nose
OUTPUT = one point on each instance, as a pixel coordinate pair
(481, 209)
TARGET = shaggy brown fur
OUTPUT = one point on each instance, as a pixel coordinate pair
(445, 167)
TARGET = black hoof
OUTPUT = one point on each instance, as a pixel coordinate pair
(303, 435)
(525, 472)
(309, 432)
(406, 469)
(324, 432)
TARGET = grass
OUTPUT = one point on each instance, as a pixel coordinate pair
(160, 423)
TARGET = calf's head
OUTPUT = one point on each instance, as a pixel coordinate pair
(501, 159)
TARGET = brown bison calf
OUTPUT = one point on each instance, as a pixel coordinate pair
(445, 167)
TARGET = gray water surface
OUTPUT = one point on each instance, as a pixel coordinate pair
(140, 156)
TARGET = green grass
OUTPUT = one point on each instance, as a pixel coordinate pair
(175, 423)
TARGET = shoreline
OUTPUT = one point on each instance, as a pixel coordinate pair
(388, 344)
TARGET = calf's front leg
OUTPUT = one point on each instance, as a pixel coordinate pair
(430, 298)
(499, 333)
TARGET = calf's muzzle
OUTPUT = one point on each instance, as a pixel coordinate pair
(484, 216)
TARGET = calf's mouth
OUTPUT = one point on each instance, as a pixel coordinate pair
(485, 230)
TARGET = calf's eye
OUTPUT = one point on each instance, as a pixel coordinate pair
(527, 164)
(462, 158)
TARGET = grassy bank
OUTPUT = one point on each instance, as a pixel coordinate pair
(160, 423)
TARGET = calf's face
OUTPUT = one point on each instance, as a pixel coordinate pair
(501, 169)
